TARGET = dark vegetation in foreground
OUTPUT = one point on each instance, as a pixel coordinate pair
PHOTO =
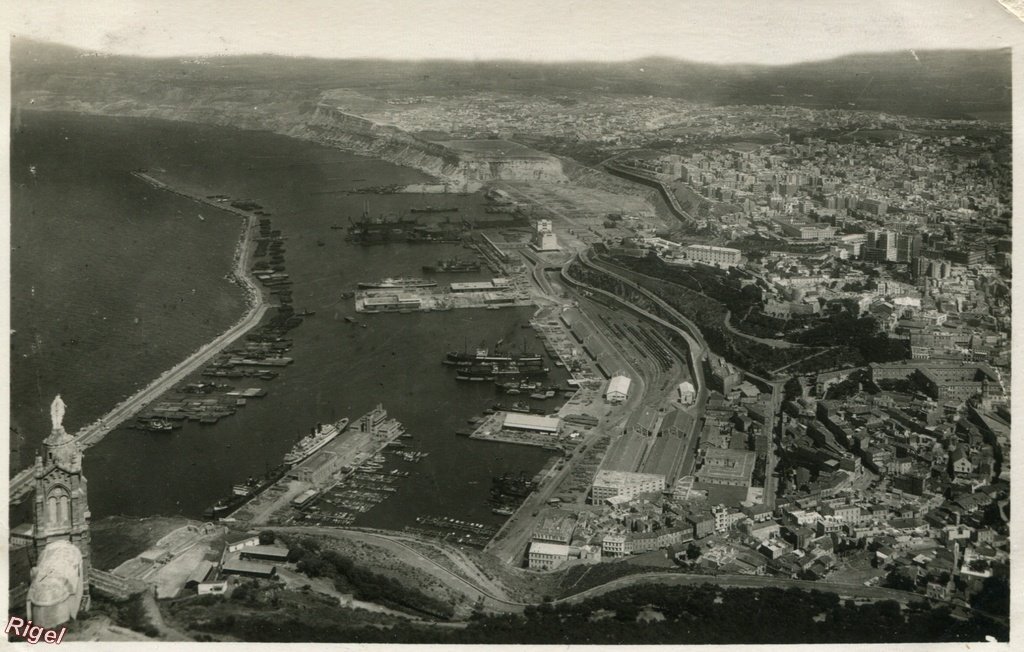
(652, 615)
(363, 584)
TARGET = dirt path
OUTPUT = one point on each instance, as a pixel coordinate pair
(156, 619)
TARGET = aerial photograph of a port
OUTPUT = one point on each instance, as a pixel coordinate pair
(553, 323)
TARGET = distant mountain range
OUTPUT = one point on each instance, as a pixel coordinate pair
(938, 83)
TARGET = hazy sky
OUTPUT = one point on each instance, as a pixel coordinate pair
(749, 31)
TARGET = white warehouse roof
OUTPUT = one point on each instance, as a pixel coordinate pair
(545, 548)
(522, 421)
(620, 385)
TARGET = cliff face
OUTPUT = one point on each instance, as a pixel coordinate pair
(292, 113)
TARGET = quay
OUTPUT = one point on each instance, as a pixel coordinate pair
(367, 437)
(408, 301)
(21, 484)
(550, 434)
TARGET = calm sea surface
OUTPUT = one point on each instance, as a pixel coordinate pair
(340, 369)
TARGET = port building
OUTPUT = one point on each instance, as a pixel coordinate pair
(544, 239)
(686, 393)
(531, 422)
(389, 302)
(618, 389)
(609, 484)
(319, 469)
(472, 286)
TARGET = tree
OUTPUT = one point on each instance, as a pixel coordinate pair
(267, 538)
(692, 551)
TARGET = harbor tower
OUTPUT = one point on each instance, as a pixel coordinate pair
(60, 536)
(544, 239)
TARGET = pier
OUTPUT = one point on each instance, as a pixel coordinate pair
(349, 455)
(21, 484)
(418, 300)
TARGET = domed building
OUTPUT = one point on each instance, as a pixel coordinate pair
(60, 536)
(57, 587)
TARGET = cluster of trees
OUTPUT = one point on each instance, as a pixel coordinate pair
(693, 615)
(862, 334)
(709, 316)
(131, 614)
(312, 560)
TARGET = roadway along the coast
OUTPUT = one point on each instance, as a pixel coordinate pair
(94, 432)
(856, 591)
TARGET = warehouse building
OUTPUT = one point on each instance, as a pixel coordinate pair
(618, 389)
(608, 484)
(531, 422)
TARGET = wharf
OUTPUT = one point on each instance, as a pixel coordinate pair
(491, 429)
(361, 441)
(408, 301)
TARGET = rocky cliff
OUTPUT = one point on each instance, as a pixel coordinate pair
(292, 113)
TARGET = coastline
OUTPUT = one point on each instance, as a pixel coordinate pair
(257, 306)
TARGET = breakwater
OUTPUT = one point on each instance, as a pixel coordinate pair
(257, 307)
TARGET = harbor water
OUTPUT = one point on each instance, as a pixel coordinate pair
(341, 368)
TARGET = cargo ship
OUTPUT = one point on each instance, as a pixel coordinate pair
(483, 356)
(511, 485)
(242, 493)
(450, 233)
(379, 230)
(314, 441)
(434, 209)
(400, 283)
(453, 266)
(508, 369)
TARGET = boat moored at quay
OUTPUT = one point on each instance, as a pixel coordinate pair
(398, 283)
(314, 441)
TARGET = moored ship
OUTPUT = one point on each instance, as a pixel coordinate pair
(317, 439)
(483, 356)
(434, 209)
(510, 369)
(379, 230)
(511, 485)
(399, 283)
(453, 265)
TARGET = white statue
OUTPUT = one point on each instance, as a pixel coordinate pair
(57, 413)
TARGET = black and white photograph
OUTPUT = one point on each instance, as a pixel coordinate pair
(538, 322)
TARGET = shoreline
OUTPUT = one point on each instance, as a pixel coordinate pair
(256, 307)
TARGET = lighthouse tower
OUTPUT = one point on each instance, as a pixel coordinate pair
(544, 239)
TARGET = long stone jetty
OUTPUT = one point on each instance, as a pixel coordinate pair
(21, 484)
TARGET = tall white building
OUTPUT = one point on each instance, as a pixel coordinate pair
(544, 239)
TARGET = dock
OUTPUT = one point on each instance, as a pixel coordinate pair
(491, 428)
(421, 300)
(359, 444)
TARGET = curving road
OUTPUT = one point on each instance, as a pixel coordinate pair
(657, 577)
